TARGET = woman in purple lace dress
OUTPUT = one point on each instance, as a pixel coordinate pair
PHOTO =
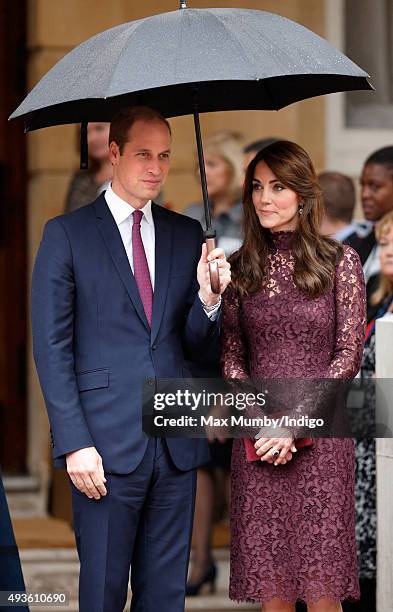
(295, 309)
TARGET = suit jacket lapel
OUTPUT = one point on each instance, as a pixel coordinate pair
(111, 235)
(163, 258)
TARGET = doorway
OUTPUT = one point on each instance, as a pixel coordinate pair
(13, 247)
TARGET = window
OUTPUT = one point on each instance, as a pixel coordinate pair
(369, 42)
(358, 123)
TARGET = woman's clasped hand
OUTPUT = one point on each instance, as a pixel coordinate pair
(277, 449)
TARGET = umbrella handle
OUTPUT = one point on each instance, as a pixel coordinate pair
(213, 268)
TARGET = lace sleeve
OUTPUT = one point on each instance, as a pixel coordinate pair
(350, 300)
(234, 360)
(320, 396)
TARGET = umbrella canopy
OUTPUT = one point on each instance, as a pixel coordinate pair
(190, 61)
(224, 59)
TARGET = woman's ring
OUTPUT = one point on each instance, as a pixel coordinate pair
(275, 452)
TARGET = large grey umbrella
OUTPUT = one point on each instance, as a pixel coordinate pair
(189, 61)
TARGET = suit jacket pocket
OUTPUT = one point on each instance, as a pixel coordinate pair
(93, 379)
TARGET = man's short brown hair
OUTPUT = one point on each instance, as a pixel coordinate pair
(339, 195)
(125, 118)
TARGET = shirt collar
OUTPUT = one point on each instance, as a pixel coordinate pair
(121, 210)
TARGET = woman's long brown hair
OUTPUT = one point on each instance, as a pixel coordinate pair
(316, 256)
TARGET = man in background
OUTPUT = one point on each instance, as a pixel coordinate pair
(339, 198)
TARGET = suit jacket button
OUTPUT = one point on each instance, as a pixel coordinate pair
(154, 347)
(151, 382)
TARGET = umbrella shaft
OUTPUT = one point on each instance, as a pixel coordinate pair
(84, 147)
(202, 171)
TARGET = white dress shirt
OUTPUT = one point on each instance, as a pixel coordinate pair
(122, 214)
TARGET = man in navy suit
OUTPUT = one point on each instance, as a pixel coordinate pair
(120, 295)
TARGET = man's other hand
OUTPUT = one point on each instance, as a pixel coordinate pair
(86, 471)
(208, 297)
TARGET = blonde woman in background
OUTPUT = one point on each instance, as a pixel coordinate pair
(223, 152)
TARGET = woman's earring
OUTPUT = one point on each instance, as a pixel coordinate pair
(301, 206)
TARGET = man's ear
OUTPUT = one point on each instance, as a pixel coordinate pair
(114, 153)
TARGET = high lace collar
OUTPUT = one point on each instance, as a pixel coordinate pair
(282, 240)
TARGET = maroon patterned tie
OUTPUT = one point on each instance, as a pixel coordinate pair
(141, 269)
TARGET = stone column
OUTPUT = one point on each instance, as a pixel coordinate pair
(384, 370)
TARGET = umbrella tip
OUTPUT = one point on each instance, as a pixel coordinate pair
(183, 4)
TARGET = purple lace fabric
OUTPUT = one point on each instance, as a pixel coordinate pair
(293, 526)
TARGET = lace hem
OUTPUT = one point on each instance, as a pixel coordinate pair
(349, 597)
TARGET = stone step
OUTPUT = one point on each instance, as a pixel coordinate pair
(214, 603)
(43, 533)
(25, 499)
(49, 532)
(56, 570)
(23, 483)
(219, 602)
(52, 570)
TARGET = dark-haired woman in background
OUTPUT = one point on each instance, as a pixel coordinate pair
(295, 309)
(376, 185)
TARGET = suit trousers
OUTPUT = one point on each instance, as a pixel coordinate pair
(143, 523)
